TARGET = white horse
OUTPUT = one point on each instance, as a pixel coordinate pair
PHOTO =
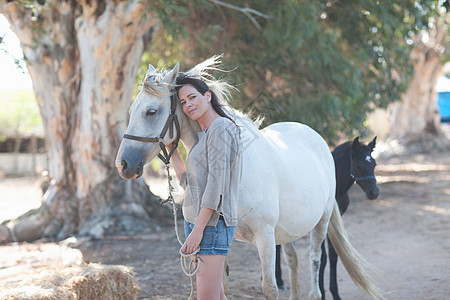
(287, 188)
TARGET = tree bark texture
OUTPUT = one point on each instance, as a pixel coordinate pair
(83, 58)
(417, 112)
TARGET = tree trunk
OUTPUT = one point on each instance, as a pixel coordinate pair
(83, 57)
(416, 114)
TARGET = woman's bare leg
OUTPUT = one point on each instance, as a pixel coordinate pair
(209, 277)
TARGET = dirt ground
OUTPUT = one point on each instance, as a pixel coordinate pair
(404, 234)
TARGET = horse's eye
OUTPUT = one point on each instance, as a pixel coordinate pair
(150, 112)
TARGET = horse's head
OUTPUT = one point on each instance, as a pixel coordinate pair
(149, 123)
(363, 167)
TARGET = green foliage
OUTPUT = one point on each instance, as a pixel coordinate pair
(164, 51)
(168, 11)
(323, 63)
(19, 115)
(443, 20)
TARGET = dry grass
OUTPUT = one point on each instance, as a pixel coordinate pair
(93, 281)
(50, 272)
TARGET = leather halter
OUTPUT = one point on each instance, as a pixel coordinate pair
(171, 120)
(353, 173)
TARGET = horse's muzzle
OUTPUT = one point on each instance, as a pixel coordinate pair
(373, 193)
(129, 172)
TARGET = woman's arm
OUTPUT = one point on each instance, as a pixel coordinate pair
(193, 240)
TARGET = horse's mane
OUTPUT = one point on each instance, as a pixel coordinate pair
(342, 149)
(154, 84)
(219, 87)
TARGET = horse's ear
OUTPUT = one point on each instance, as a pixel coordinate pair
(170, 77)
(151, 70)
(372, 143)
(355, 144)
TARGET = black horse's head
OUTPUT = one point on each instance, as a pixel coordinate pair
(363, 167)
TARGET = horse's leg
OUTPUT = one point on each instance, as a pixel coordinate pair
(278, 274)
(333, 264)
(317, 236)
(265, 243)
(323, 263)
(291, 258)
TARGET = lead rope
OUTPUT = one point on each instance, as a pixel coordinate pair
(191, 268)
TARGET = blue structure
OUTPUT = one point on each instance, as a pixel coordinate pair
(444, 106)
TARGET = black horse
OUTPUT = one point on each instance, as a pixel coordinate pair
(354, 162)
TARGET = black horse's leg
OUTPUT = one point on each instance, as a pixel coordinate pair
(343, 202)
(323, 263)
(280, 282)
(333, 266)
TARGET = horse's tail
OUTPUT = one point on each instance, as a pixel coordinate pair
(356, 266)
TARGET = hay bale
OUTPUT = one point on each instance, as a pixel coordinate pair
(92, 281)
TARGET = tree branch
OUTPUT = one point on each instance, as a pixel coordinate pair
(245, 10)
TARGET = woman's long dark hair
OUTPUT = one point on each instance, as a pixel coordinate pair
(202, 88)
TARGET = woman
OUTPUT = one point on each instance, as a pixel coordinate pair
(210, 178)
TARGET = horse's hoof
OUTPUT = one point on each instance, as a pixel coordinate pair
(282, 287)
(315, 296)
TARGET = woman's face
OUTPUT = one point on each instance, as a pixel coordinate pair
(194, 104)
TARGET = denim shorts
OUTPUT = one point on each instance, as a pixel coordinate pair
(216, 239)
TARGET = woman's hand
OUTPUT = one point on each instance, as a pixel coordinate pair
(192, 242)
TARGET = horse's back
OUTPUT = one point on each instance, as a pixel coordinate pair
(299, 143)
